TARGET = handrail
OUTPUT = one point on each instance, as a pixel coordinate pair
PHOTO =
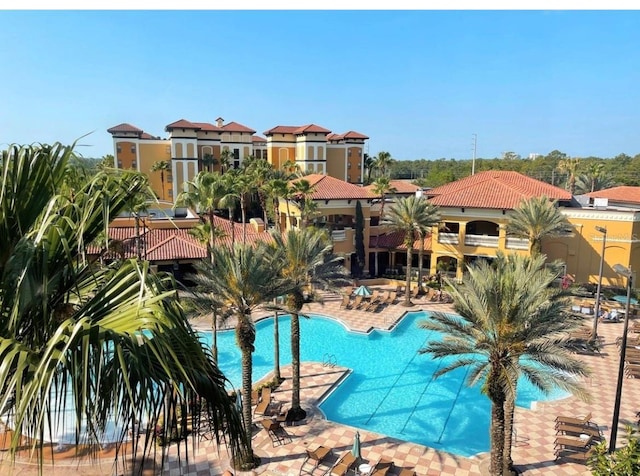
(329, 360)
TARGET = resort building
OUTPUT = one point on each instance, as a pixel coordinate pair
(194, 146)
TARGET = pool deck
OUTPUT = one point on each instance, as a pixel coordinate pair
(533, 451)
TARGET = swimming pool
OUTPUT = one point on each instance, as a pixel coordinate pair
(390, 390)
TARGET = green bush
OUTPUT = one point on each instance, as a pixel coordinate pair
(622, 462)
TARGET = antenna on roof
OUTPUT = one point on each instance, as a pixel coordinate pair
(475, 148)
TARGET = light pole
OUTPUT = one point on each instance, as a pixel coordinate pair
(626, 272)
(594, 332)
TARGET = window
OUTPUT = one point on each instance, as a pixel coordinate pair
(349, 153)
(119, 164)
(348, 165)
(133, 149)
(169, 178)
(236, 154)
(119, 149)
(134, 164)
(170, 192)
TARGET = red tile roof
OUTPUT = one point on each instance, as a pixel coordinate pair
(401, 186)
(176, 245)
(334, 137)
(297, 130)
(124, 127)
(257, 139)
(330, 188)
(493, 189)
(207, 127)
(181, 124)
(354, 135)
(395, 240)
(237, 127)
(146, 136)
(623, 194)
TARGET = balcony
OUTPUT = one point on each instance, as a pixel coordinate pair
(481, 240)
(448, 238)
(517, 243)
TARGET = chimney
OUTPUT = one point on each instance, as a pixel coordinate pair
(219, 122)
(257, 224)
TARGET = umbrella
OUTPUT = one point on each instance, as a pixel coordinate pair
(355, 451)
(362, 291)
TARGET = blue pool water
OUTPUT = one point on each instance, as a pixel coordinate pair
(390, 390)
(623, 299)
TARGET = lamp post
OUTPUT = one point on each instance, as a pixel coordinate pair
(626, 272)
(594, 332)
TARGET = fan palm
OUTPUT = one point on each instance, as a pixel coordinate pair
(413, 216)
(571, 166)
(383, 162)
(511, 323)
(381, 187)
(306, 260)
(113, 339)
(537, 218)
(242, 279)
(161, 166)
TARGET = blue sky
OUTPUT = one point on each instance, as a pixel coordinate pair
(418, 83)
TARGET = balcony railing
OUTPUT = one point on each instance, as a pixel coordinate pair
(481, 240)
(448, 238)
(338, 235)
(517, 243)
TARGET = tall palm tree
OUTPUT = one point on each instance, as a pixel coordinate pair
(161, 166)
(204, 194)
(306, 260)
(413, 216)
(243, 280)
(275, 189)
(535, 219)
(370, 165)
(595, 178)
(301, 191)
(261, 173)
(383, 162)
(136, 205)
(381, 187)
(225, 160)
(511, 322)
(114, 338)
(208, 161)
(570, 166)
(230, 199)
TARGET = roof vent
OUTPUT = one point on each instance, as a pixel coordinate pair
(601, 203)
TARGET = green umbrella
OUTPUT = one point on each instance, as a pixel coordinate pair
(362, 291)
(355, 451)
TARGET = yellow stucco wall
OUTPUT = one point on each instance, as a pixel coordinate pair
(126, 154)
(150, 153)
(336, 163)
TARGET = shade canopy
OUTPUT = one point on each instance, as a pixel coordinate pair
(362, 291)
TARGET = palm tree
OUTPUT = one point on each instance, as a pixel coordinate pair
(208, 161)
(261, 173)
(306, 260)
(275, 189)
(383, 162)
(113, 337)
(204, 194)
(203, 233)
(413, 216)
(136, 205)
(230, 199)
(570, 166)
(369, 164)
(535, 219)
(225, 160)
(301, 191)
(242, 280)
(511, 322)
(594, 179)
(161, 166)
(381, 187)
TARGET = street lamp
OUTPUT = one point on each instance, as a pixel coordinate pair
(594, 332)
(626, 272)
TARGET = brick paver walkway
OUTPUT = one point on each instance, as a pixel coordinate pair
(533, 452)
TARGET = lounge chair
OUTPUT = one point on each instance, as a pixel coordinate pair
(590, 429)
(348, 291)
(579, 421)
(381, 468)
(577, 456)
(357, 302)
(346, 301)
(393, 295)
(314, 458)
(415, 291)
(343, 465)
(276, 431)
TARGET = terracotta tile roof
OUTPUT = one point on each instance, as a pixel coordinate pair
(401, 186)
(207, 127)
(124, 127)
(237, 127)
(178, 245)
(181, 124)
(331, 188)
(258, 139)
(335, 137)
(296, 130)
(395, 240)
(493, 189)
(354, 135)
(146, 136)
(623, 194)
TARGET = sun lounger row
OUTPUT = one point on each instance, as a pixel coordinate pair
(575, 437)
(368, 303)
(347, 463)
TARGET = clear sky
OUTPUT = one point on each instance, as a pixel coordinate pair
(418, 83)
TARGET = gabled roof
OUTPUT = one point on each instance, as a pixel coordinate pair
(146, 136)
(297, 130)
(402, 187)
(493, 189)
(124, 127)
(330, 188)
(181, 124)
(622, 194)
(178, 244)
(237, 127)
(206, 126)
(354, 135)
(257, 139)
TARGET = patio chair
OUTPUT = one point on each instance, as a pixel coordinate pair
(393, 295)
(346, 462)
(347, 291)
(381, 468)
(576, 430)
(415, 291)
(577, 456)
(561, 419)
(346, 302)
(357, 302)
(276, 432)
(314, 458)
